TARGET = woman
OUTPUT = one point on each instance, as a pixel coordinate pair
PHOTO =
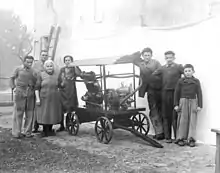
(68, 91)
(48, 99)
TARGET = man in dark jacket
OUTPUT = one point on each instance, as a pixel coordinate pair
(152, 86)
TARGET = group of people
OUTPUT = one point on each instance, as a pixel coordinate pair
(174, 97)
(44, 93)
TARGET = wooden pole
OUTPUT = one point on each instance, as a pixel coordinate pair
(217, 154)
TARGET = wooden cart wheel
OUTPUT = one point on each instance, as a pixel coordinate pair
(141, 123)
(73, 126)
(103, 130)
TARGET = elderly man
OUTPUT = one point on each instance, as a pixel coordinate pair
(152, 86)
(39, 67)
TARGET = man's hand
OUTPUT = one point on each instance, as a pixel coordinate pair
(38, 102)
(176, 108)
(198, 109)
(14, 90)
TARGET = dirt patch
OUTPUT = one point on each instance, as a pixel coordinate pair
(83, 153)
(38, 155)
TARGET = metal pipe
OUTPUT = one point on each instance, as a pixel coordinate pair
(104, 83)
(134, 85)
(100, 67)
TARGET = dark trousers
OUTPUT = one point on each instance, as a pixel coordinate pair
(62, 121)
(36, 125)
(155, 106)
(47, 128)
(168, 113)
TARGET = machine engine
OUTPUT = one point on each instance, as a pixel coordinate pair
(115, 97)
(93, 97)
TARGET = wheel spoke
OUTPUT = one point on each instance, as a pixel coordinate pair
(143, 119)
(106, 136)
(144, 130)
(139, 115)
(99, 127)
(102, 135)
(138, 127)
(99, 132)
(102, 123)
(135, 118)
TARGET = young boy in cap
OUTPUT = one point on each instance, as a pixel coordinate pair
(187, 101)
(170, 74)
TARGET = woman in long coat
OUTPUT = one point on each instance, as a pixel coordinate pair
(48, 99)
(68, 91)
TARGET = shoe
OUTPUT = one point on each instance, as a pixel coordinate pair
(51, 133)
(35, 131)
(176, 141)
(160, 136)
(17, 137)
(168, 141)
(181, 143)
(29, 136)
(43, 134)
(22, 135)
(191, 142)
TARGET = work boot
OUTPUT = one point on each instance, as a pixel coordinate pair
(181, 142)
(159, 136)
(191, 142)
(36, 127)
(168, 141)
(35, 131)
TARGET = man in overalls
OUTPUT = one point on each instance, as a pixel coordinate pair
(23, 83)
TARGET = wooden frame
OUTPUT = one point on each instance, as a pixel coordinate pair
(217, 155)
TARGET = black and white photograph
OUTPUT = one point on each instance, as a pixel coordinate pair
(109, 86)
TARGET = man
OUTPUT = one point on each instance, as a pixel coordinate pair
(23, 82)
(151, 85)
(170, 74)
(39, 67)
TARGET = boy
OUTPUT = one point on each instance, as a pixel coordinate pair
(187, 101)
(170, 74)
(151, 85)
(24, 97)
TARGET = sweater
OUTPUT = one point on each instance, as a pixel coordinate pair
(150, 82)
(189, 88)
(170, 75)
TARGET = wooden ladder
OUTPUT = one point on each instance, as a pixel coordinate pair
(53, 41)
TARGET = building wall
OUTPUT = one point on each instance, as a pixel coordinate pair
(113, 28)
